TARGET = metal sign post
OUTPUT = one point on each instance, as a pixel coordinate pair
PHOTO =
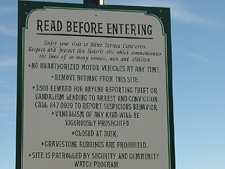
(98, 2)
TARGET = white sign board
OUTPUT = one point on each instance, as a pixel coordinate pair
(95, 90)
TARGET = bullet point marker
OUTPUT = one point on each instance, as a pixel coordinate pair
(73, 133)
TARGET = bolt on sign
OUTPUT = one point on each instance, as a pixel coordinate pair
(94, 87)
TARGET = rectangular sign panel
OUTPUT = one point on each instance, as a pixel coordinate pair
(94, 87)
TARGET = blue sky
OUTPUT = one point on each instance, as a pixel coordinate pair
(198, 45)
